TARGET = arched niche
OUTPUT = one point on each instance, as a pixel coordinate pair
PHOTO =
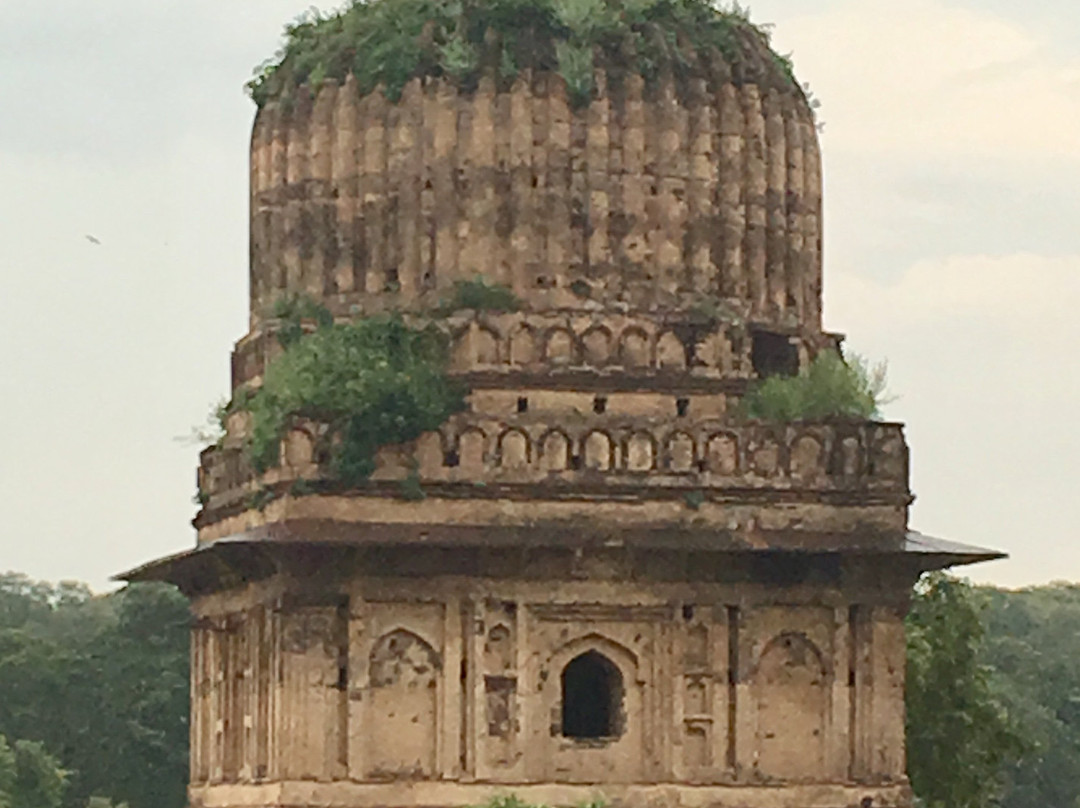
(850, 456)
(670, 352)
(889, 460)
(806, 459)
(472, 450)
(298, 450)
(722, 454)
(598, 451)
(555, 451)
(680, 452)
(765, 458)
(523, 350)
(486, 347)
(640, 452)
(634, 349)
(561, 348)
(596, 345)
(499, 650)
(403, 706)
(791, 693)
(514, 450)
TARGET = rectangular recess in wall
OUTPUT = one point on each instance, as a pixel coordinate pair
(733, 681)
(853, 681)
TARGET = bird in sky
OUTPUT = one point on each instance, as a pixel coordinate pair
(93, 240)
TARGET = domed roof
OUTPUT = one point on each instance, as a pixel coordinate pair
(586, 154)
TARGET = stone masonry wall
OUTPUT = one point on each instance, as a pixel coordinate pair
(381, 680)
(642, 199)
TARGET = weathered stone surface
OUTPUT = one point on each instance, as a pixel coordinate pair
(748, 682)
(611, 583)
(649, 203)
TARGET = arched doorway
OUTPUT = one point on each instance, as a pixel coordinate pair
(592, 698)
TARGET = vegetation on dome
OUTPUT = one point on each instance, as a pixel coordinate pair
(831, 387)
(374, 382)
(388, 42)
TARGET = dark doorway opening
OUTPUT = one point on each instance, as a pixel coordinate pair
(774, 355)
(592, 693)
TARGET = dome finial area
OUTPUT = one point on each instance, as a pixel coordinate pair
(386, 43)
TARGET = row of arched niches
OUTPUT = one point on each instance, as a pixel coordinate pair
(603, 342)
(708, 454)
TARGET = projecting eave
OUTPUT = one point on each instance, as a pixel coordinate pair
(932, 553)
(241, 559)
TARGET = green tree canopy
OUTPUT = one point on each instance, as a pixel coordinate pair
(29, 776)
(959, 735)
(101, 683)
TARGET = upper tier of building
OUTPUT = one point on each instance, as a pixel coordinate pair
(668, 193)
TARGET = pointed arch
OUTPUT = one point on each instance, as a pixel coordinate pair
(635, 349)
(791, 692)
(561, 348)
(599, 451)
(640, 452)
(722, 454)
(485, 346)
(680, 452)
(670, 352)
(515, 451)
(596, 346)
(591, 697)
(523, 347)
(403, 674)
(555, 451)
(472, 450)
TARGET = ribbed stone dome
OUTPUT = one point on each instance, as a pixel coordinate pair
(664, 195)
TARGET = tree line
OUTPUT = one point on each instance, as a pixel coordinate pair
(94, 696)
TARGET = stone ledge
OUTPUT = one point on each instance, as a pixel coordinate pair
(420, 794)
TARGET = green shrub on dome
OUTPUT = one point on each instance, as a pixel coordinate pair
(389, 42)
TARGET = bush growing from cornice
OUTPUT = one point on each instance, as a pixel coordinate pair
(374, 382)
(389, 42)
(831, 387)
(479, 295)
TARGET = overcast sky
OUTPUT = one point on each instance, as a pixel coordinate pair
(952, 160)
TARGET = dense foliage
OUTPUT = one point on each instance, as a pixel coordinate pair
(389, 42)
(960, 737)
(99, 684)
(29, 776)
(1033, 648)
(373, 382)
(831, 387)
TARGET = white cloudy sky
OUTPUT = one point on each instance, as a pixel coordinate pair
(952, 148)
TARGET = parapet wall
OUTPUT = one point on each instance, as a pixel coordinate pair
(596, 473)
